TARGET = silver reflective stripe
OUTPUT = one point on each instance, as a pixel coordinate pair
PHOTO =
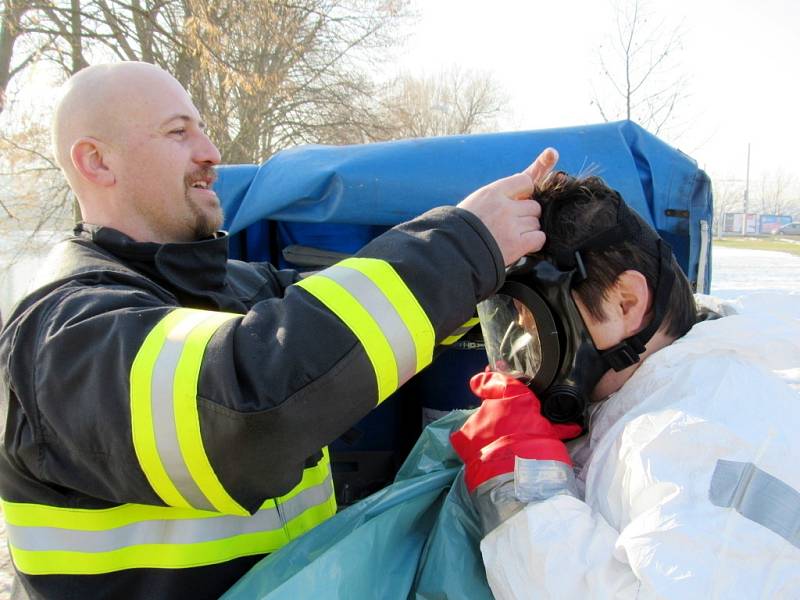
(313, 496)
(758, 496)
(702, 262)
(170, 531)
(372, 299)
(164, 422)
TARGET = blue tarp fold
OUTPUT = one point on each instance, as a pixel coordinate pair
(339, 197)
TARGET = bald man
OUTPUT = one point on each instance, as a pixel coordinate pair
(168, 408)
(132, 146)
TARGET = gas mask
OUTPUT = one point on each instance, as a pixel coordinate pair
(534, 332)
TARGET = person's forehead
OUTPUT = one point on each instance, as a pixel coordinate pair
(161, 105)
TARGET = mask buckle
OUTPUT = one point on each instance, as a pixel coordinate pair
(623, 355)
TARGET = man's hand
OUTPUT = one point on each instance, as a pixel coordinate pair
(506, 208)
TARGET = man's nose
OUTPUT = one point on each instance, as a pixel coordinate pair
(206, 152)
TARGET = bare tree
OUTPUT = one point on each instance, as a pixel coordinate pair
(288, 73)
(779, 194)
(21, 41)
(34, 198)
(640, 71)
(266, 74)
(452, 102)
(728, 197)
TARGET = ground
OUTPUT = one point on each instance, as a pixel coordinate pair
(775, 243)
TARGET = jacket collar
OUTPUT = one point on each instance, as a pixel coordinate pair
(192, 267)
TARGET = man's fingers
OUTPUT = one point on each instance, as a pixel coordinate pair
(516, 186)
(532, 241)
(543, 164)
(529, 223)
(528, 208)
(520, 186)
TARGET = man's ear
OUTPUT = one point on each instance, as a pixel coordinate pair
(87, 156)
(633, 296)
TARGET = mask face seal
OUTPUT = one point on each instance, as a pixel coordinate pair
(533, 332)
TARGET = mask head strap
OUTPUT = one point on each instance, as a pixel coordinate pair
(629, 227)
(627, 352)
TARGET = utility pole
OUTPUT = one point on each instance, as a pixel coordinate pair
(746, 192)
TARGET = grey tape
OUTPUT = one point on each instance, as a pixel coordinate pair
(537, 480)
(495, 501)
(758, 496)
(501, 497)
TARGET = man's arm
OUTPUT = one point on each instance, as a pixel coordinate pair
(243, 401)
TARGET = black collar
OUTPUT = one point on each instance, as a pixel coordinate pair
(191, 267)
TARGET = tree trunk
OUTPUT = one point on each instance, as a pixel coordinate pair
(9, 30)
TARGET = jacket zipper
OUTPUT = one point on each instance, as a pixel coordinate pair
(282, 517)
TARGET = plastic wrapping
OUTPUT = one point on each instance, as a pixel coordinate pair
(417, 538)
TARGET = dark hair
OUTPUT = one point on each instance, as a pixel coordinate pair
(575, 209)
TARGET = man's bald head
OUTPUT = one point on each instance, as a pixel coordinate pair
(134, 149)
(98, 102)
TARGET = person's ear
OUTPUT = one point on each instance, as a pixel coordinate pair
(88, 158)
(633, 296)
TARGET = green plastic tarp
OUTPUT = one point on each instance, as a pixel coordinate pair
(417, 538)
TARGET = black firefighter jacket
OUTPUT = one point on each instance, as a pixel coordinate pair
(168, 408)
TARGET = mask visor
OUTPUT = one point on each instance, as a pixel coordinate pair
(511, 337)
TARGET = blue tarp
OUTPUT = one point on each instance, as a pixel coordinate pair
(340, 197)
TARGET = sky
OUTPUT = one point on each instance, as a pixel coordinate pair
(741, 60)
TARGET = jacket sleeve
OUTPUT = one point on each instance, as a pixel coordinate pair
(691, 499)
(113, 390)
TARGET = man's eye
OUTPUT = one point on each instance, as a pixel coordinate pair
(179, 131)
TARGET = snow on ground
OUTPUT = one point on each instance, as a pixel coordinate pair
(735, 273)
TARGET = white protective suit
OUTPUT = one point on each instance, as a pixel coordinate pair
(692, 483)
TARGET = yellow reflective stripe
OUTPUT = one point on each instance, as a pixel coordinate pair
(144, 440)
(174, 546)
(405, 303)
(312, 517)
(311, 476)
(187, 418)
(95, 519)
(188, 331)
(157, 556)
(460, 332)
(339, 301)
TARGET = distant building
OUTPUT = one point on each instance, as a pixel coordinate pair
(752, 223)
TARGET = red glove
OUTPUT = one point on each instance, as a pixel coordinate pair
(509, 423)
